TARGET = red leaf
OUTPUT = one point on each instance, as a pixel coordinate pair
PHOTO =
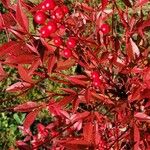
(51, 63)
(132, 49)
(141, 2)
(78, 79)
(66, 100)
(62, 65)
(88, 95)
(2, 73)
(88, 132)
(142, 116)
(70, 91)
(19, 86)
(81, 116)
(24, 75)
(104, 4)
(9, 46)
(136, 137)
(26, 107)
(23, 146)
(34, 66)
(22, 59)
(8, 19)
(30, 119)
(102, 98)
(21, 17)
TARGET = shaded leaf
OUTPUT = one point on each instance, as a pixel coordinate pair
(127, 3)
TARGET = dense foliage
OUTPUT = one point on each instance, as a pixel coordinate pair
(89, 65)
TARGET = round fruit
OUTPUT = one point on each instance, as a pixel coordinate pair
(57, 41)
(40, 17)
(44, 32)
(65, 9)
(48, 5)
(67, 53)
(71, 42)
(59, 14)
(95, 75)
(105, 28)
(96, 83)
(51, 26)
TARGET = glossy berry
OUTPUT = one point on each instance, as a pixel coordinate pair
(44, 32)
(96, 83)
(65, 9)
(57, 41)
(40, 17)
(67, 53)
(71, 42)
(51, 27)
(59, 14)
(48, 5)
(95, 75)
(105, 28)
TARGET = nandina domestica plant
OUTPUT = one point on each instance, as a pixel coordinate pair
(104, 103)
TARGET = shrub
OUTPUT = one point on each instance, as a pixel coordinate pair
(98, 54)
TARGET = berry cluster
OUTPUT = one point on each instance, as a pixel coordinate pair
(96, 79)
(49, 25)
(49, 16)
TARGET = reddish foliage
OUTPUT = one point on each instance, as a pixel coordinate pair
(105, 104)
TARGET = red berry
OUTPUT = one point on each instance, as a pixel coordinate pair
(67, 53)
(48, 5)
(57, 41)
(95, 75)
(105, 28)
(65, 9)
(59, 14)
(40, 17)
(51, 26)
(71, 42)
(44, 32)
(96, 83)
